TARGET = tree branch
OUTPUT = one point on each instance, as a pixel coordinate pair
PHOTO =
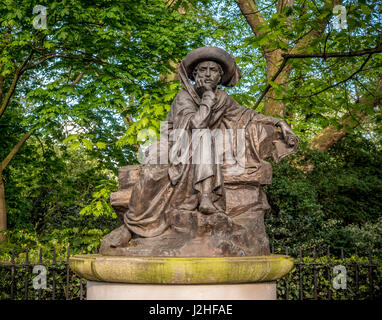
(41, 61)
(333, 54)
(287, 56)
(268, 86)
(79, 77)
(331, 134)
(18, 73)
(15, 149)
(259, 10)
(340, 82)
(252, 15)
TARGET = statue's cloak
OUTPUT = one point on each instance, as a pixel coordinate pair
(165, 187)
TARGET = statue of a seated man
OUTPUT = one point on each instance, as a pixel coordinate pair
(206, 198)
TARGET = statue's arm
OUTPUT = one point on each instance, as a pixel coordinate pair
(186, 114)
(289, 136)
(202, 116)
(269, 120)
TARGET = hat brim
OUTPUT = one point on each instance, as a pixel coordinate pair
(216, 54)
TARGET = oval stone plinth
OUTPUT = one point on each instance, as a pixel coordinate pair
(181, 270)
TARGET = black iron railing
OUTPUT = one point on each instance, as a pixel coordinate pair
(330, 277)
(16, 279)
(312, 277)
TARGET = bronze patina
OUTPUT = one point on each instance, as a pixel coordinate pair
(199, 191)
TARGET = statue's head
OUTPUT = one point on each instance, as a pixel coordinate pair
(210, 72)
(212, 62)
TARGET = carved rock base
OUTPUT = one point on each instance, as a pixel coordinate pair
(193, 234)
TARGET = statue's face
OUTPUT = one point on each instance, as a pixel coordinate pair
(209, 72)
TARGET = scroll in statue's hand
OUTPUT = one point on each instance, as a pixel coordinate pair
(289, 136)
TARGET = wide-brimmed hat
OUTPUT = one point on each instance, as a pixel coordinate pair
(232, 73)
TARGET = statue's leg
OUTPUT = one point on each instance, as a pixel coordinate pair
(206, 205)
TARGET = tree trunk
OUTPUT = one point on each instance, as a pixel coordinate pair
(3, 165)
(271, 106)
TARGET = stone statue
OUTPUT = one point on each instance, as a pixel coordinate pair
(200, 189)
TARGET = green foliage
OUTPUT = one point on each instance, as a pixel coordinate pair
(151, 109)
(337, 203)
(46, 185)
(79, 239)
(100, 204)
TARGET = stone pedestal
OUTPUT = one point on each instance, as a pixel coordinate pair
(181, 278)
(130, 291)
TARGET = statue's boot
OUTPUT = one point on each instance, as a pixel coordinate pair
(119, 237)
(206, 205)
(219, 207)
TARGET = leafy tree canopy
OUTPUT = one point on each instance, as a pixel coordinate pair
(80, 91)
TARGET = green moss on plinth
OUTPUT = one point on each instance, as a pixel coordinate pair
(181, 270)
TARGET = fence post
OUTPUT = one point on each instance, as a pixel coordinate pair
(300, 275)
(40, 262)
(54, 274)
(81, 286)
(356, 274)
(286, 280)
(67, 273)
(371, 276)
(13, 274)
(329, 276)
(315, 273)
(26, 275)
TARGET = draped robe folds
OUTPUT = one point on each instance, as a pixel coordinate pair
(165, 187)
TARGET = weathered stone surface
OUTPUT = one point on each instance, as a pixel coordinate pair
(128, 176)
(193, 234)
(178, 270)
(120, 201)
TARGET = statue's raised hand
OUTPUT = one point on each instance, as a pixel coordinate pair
(202, 86)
